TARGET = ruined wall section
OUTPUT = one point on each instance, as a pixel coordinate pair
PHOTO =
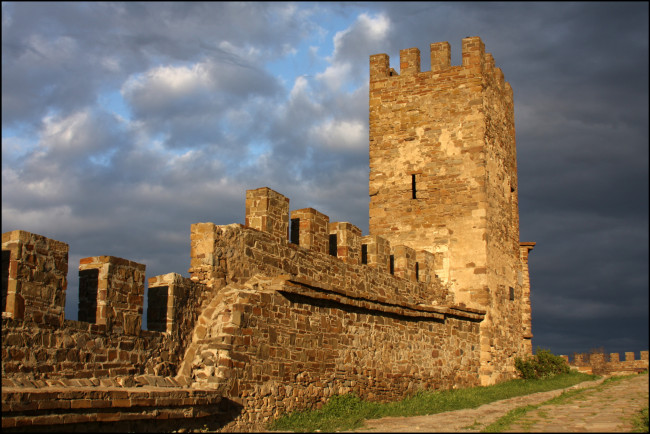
(610, 364)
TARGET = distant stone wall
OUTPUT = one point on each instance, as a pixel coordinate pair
(611, 364)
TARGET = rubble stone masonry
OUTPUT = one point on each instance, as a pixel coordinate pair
(443, 179)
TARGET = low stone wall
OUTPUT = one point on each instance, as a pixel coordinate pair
(79, 408)
(81, 350)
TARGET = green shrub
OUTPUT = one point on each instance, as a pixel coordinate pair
(543, 364)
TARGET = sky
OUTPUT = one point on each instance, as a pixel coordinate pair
(125, 123)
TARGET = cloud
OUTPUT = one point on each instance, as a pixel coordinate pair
(340, 135)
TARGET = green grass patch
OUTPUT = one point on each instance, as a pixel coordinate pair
(640, 421)
(508, 419)
(347, 412)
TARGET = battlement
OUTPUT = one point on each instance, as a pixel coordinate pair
(111, 293)
(26, 294)
(611, 364)
(111, 289)
(475, 64)
(333, 254)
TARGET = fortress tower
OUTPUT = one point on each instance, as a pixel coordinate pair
(443, 178)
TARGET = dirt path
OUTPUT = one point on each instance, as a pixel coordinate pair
(605, 408)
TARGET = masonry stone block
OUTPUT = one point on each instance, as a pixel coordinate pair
(405, 262)
(348, 241)
(34, 277)
(377, 252)
(119, 291)
(312, 228)
(268, 211)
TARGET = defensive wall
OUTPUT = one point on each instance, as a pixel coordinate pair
(272, 325)
(610, 364)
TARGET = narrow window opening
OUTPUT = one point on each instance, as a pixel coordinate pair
(333, 245)
(88, 282)
(364, 254)
(413, 187)
(295, 231)
(157, 308)
(417, 271)
(512, 293)
(392, 264)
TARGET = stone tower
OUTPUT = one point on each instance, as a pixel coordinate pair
(443, 178)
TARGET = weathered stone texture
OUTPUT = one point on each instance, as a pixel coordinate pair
(283, 345)
(268, 211)
(443, 179)
(35, 279)
(120, 292)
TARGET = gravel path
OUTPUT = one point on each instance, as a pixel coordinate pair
(600, 408)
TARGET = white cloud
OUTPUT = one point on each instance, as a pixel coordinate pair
(374, 29)
(163, 85)
(335, 76)
(340, 135)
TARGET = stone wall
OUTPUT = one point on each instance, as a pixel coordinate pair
(610, 364)
(34, 277)
(283, 345)
(293, 324)
(39, 344)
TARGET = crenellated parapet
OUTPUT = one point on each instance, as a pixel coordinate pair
(107, 340)
(310, 229)
(345, 242)
(476, 64)
(333, 255)
(611, 363)
(268, 211)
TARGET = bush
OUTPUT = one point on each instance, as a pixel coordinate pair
(543, 364)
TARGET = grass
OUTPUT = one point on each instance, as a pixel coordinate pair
(640, 421)
(347, 412)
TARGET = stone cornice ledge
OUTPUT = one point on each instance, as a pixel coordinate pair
(302, 285)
